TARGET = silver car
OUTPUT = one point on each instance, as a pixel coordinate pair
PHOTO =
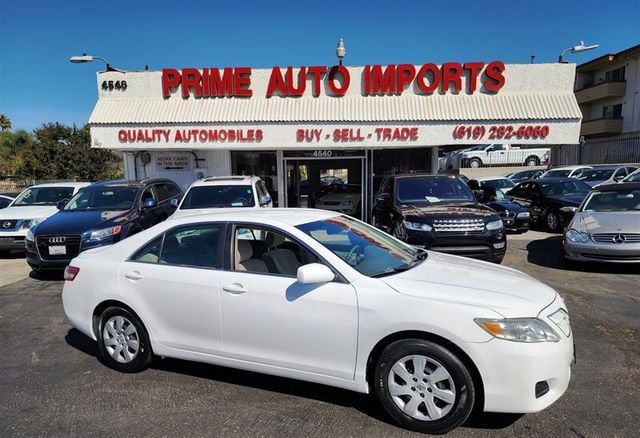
(606, 227)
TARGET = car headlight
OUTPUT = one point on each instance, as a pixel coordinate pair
(34, 222)
(103, 233)
(495, 225)
(576, 236)
(519, 329)
(524, 214)
(418, 226)
(30, 237)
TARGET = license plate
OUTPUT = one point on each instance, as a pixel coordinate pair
(57, 250)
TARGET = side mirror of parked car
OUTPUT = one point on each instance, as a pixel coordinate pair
(174, 203)
(149, 203)
(265, 199)
(60, 204)
(618, 178)
(314, 273)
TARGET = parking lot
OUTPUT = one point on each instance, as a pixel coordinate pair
(53, 385)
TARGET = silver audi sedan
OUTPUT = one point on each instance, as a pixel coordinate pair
(606, 227)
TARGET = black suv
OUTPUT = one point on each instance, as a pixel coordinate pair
(100, 214)
(439, 212)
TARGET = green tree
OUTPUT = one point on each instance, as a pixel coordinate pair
(13, 147)
(63, 152)
(5, 123)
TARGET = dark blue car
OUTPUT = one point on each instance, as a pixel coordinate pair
(101, 214)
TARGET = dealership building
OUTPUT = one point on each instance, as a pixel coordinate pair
(293, 125)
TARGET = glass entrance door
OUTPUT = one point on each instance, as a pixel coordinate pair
(336, 184)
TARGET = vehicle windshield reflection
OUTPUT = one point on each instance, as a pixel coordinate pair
(367, 249)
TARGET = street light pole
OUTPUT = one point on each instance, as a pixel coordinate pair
(84, 58)
(576, 49)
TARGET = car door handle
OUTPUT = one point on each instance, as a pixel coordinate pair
(134, 276)
(234, 288)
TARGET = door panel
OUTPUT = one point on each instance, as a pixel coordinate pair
(274, 320)
(180, 305)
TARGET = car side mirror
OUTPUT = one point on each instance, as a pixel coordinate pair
(618, 178)
(314, 273)
(60, 204)
(265, 199)
(174, 203)
(149, 203)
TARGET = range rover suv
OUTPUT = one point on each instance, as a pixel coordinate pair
(101, 214)
(441, 213)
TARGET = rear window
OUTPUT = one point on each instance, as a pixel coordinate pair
(218, 197)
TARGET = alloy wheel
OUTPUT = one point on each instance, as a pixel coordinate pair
(121, 339)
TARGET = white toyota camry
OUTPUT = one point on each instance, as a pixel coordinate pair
(323, 297)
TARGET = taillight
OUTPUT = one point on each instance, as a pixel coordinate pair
(70, 273)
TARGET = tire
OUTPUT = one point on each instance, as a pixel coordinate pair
(532, 161)
(552, 221)
(475, 163)
(120, 328)
(411, 400)
(498, 260)
(5, 253)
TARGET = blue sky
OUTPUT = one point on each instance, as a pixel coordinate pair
(38, 84)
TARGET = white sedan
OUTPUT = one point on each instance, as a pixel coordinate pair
(322, 297)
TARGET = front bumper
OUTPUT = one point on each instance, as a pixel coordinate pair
(513, 372)
(602, 252)
(515, 224)
(487, 245)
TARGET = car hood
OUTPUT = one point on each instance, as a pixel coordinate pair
(77, 222)
(609, 222)
(443, 277)
(573, 199)
(28, 212)
(340, 197)
(450, 211)
(595, 182)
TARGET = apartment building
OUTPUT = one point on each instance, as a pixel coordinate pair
(607, 89)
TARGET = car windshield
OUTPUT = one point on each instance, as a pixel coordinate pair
(43, 196)
(347, 189)
(218, 196)
(559, 173)
(367, 249)
(433, 189)
(103, 198)
(595, 174)
(561, 188)
(635, 176)
(613, 200)
(499, 183)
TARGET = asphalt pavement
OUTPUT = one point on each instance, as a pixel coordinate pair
(53, 385)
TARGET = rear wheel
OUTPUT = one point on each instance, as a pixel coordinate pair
(475, 163)
(532, 161)
(424, 386)
(123, 343)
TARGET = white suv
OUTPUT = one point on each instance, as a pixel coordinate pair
(31, 207)
(224, 192)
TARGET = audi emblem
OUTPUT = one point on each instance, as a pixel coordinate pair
(6, 224)
(57, 239)
(619, 238)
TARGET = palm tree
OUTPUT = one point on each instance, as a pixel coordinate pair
(5, 123)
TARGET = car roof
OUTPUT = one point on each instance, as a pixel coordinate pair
(570, 167)
(62, 184)
(635, 185)
(241, 180)
(418, 175)
(491, 178)
(130, 182)
(547, 180)
(289, 216)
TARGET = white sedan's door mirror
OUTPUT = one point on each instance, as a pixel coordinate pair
(314, 273)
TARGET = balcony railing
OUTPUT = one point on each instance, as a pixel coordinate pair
(601, 90)
(601, 126)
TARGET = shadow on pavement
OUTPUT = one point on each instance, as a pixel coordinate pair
(550, 254)
(47, 275)
(366, 404)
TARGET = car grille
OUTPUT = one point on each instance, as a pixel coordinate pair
(507, 214)
(71, 242)
(458, 225)
(631, 257)
(617, 237)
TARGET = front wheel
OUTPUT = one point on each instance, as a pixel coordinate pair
(552, 221)
(424, 386)
(475, 163)
(532, 161)
(123, 343)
